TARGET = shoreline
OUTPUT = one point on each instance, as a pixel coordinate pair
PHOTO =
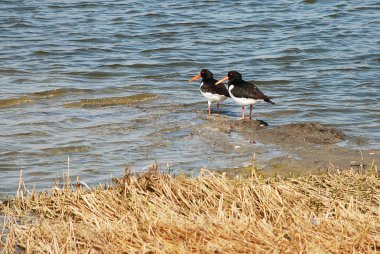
(295, 148)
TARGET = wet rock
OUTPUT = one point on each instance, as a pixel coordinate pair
(290, 148)
(310, 132)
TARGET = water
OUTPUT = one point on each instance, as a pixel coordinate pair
(320, 61)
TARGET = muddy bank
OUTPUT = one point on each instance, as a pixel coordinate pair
(289, 148)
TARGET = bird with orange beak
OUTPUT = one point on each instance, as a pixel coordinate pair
(243, 92)
(210, 90)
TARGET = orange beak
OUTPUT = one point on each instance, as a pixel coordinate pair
(222, 80)
(196, 77)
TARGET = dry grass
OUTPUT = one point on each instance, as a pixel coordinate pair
(155, 213)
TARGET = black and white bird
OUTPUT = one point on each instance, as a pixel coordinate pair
(243, 92)
(210, 90)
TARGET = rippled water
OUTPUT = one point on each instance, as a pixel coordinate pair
(320, 61)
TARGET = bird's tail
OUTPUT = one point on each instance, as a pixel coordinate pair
(269, 101)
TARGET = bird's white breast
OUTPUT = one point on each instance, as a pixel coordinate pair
(213, 97)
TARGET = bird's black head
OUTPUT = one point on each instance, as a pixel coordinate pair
(232, 75)
(206, 74)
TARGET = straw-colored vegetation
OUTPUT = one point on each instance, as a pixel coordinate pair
(155, 213)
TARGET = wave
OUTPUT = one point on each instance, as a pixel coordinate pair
(13, 71)
(95, 74)
(28, 134)
(41, 53)
(156, 65)
(270, 82)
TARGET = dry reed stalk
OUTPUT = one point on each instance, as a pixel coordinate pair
(156, 213)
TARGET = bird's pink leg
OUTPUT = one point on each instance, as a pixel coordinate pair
(209, 108)
(250, 112)
(242, 113)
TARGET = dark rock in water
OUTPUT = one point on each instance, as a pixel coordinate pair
(251, 125)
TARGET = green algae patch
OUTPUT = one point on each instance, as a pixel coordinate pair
(67, 149)
(59, 92)
(112, 101)
(4, 103)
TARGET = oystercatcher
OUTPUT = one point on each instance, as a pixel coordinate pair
(243, 92)
(210, 90)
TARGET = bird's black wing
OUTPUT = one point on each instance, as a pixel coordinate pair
(244, 89)
(210, 87)
(221, 89)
